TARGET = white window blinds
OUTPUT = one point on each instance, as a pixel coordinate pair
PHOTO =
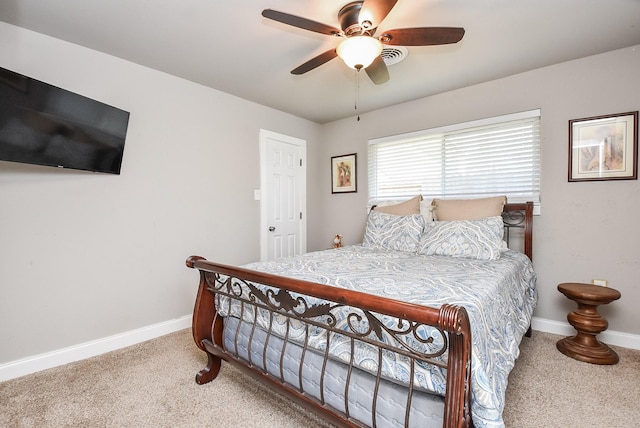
(497, 156)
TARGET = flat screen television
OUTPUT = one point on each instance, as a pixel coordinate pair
(45, 125)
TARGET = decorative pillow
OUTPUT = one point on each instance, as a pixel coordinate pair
(475, 239)
(410, 207)
(392, 232)
(468, 209)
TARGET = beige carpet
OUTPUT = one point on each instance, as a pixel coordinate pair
(151, 385)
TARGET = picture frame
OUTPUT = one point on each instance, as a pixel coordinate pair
(604, 147)
(344, 173)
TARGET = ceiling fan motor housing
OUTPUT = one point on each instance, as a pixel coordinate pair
(349, 16)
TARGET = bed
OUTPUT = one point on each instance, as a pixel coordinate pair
(393, 333)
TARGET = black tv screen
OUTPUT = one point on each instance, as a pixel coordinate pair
(45, 125)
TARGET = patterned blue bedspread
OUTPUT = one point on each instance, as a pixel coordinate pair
(499, 296)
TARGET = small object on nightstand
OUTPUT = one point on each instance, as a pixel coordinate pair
(588, 323)
(337, 241)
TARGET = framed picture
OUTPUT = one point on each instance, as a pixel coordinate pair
(343, 173)
(604, 147)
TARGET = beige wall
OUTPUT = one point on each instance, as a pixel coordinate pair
(586, 230)
(84, 256)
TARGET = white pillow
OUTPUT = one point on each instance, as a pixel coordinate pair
(426, 209)
(476, 239)
(393, 232)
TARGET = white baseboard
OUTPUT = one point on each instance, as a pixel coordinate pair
(25, 366)
(609, 337)
(68, 355)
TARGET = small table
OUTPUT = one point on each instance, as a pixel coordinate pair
(588, 323)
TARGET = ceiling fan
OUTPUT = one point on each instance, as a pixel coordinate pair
(359, 21)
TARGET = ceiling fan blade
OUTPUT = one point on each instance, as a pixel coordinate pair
(375, 11)
(297, 21)
(422, 36)
(378, 71)
(315, 62)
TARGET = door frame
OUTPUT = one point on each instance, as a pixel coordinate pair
(264, 188)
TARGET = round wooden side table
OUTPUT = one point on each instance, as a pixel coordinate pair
(588, 323)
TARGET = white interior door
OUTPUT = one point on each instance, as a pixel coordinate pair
(283, 195)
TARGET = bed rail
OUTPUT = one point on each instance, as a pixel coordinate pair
(284, 299)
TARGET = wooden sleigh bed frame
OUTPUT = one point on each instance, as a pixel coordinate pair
(284, 300)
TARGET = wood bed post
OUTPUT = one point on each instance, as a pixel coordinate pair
(205, 324)
(457, 408)
(528, 230)
(520, 215)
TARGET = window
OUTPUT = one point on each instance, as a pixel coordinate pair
(489, 157)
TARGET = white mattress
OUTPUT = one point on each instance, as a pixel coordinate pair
(426, 409)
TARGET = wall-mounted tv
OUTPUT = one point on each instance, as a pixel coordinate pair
(45, 125)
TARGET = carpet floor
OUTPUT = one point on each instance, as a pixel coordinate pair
(152, 385)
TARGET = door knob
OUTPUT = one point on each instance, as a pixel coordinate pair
(272, 228)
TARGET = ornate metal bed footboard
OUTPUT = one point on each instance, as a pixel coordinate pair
(423, 335)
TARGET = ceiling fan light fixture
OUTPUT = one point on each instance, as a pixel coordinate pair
(359, 51)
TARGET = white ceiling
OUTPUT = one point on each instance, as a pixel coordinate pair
(229, 46)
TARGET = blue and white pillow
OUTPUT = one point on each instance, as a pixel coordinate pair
(476, 239)
(393, 232)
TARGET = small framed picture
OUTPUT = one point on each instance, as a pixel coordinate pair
(343, 174)
(604, 147)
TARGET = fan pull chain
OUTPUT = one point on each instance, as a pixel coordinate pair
(357, 95)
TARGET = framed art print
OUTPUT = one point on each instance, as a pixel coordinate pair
(604, 147)
(343, 174)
